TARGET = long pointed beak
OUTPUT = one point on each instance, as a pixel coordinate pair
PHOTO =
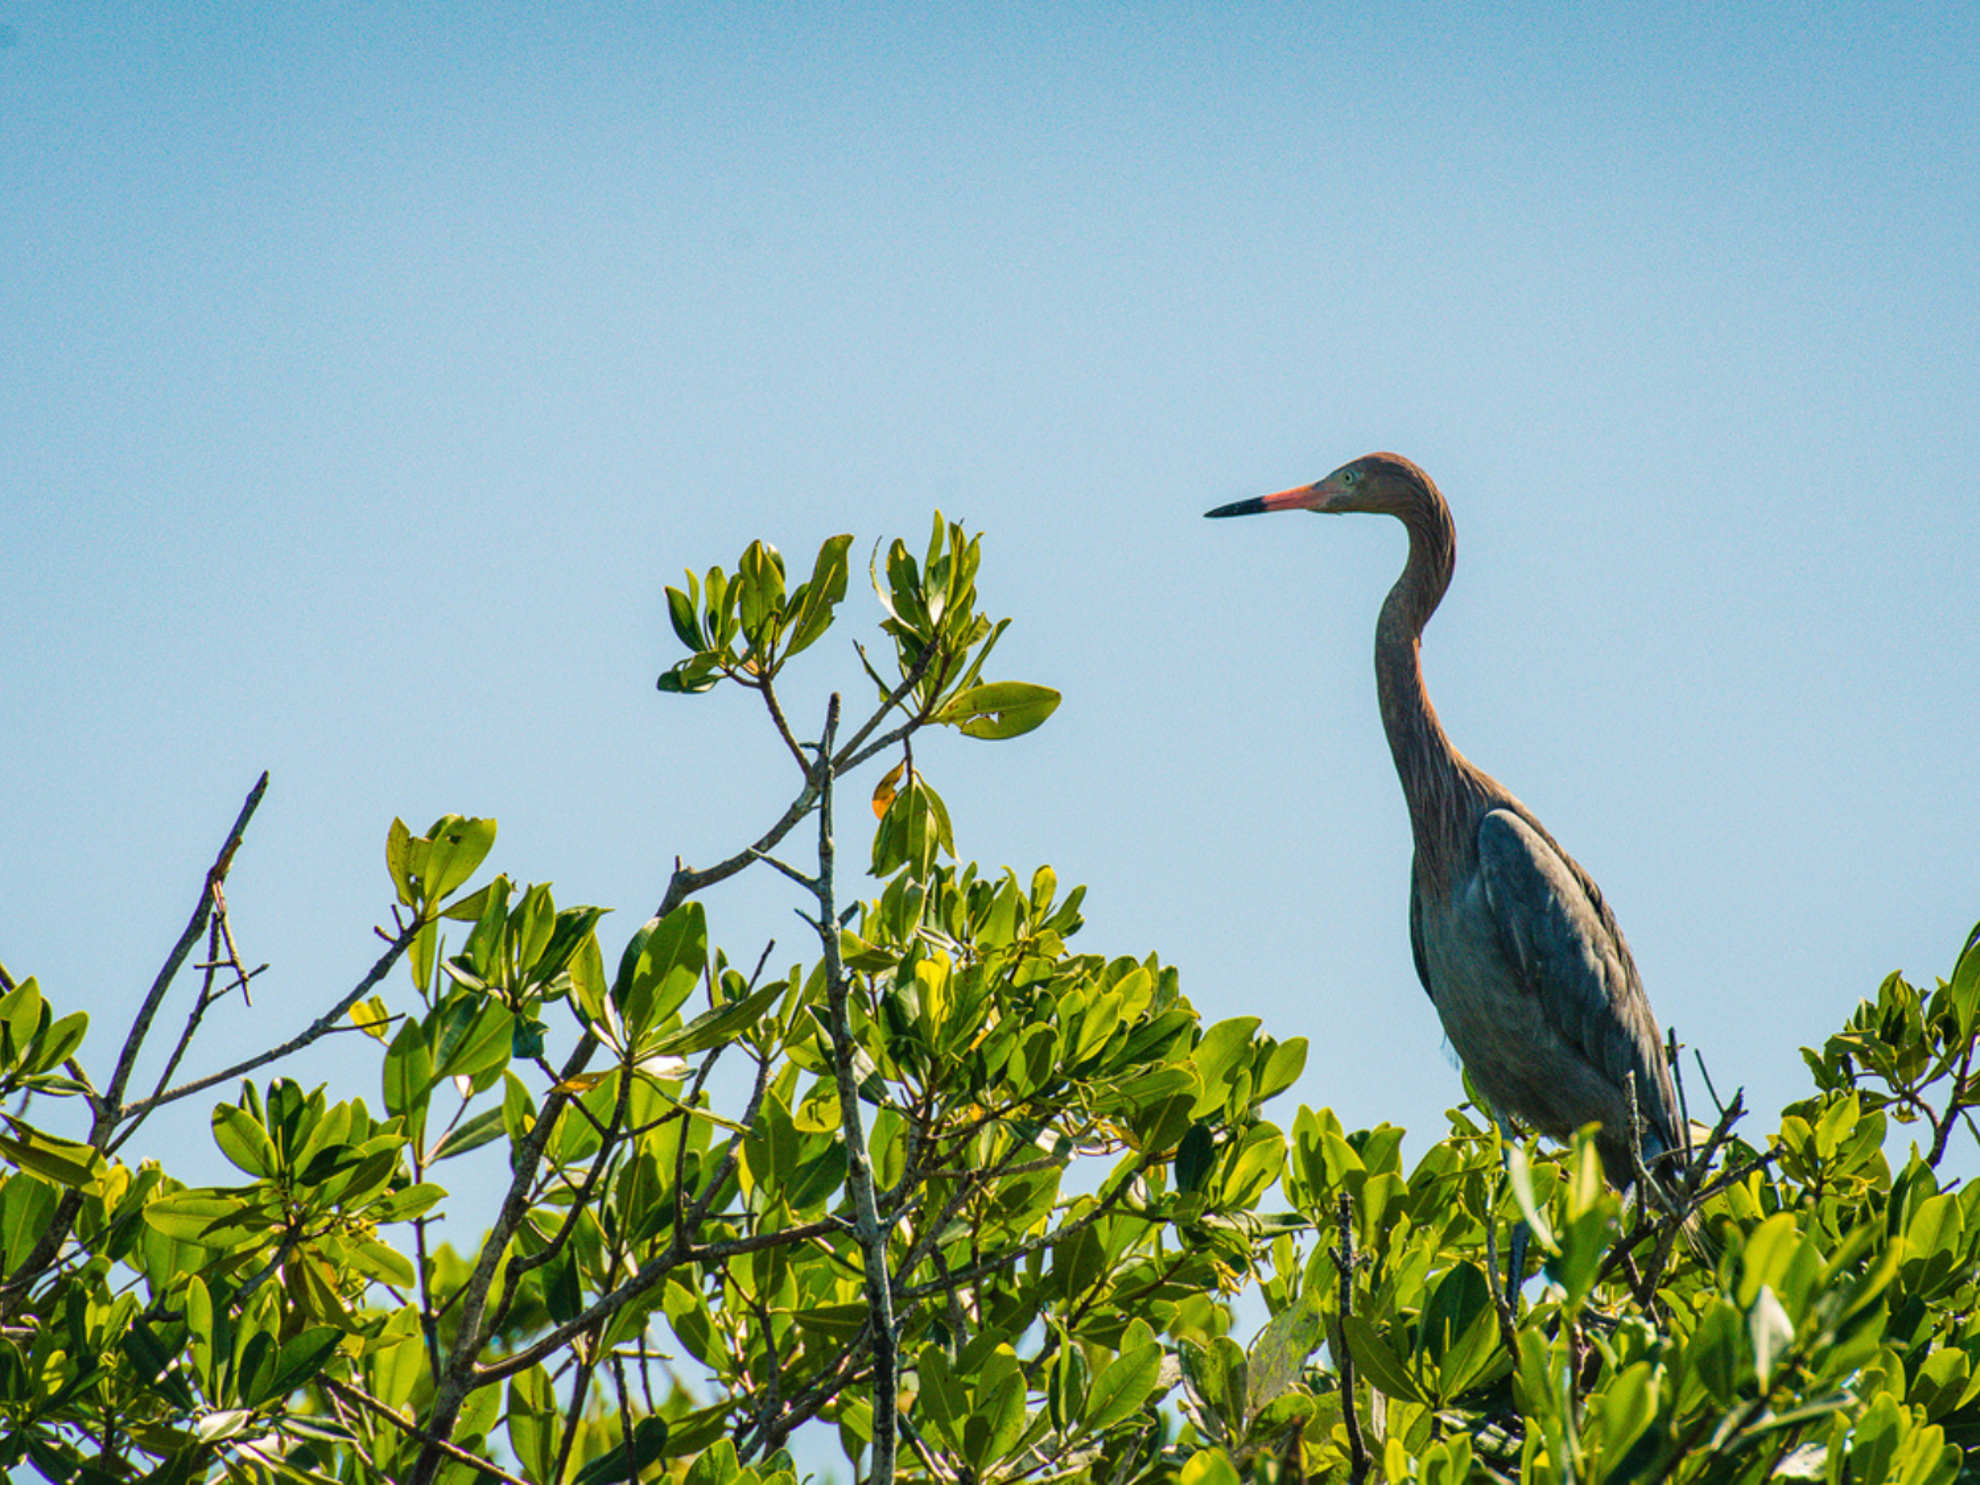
(1302, 497)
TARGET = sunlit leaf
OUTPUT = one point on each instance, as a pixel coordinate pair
(999, 709)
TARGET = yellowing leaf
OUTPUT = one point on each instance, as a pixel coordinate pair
(883, 793)
(371, 1017)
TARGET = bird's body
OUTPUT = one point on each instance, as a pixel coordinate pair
(1519, 952)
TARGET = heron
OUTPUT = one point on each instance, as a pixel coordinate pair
(1518, 949)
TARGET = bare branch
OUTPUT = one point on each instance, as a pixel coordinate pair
(685, 882)
(109, 1114)
(331, 1020)
(783, 727)
(867, 1228)
(1344, 1261)
(851, 756)
(106, 1112)
(457, 1378)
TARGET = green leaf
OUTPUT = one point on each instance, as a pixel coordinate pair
(1765, 1257)
(1626, 1407)
(403, 1206)
(371, 1016)
(1519, 1171)
(669, 958)
(1964, 988)
(822, 594)
(1002, 1407)
(1209, 1467)
(761, 575)
(59, 1042)
(63, 1161)
(1376, 1361)
(589, 986)
(243, 1141)
(398, 860)
(381, 1261)
(715, 1465)
(470, 1134)
(1459, 1328)
(1282, 1068)
(1279, 1352)
(1224, 1048)
(690, 677)
(721, 1025)
(1000, 709)
(1123, 1387)
(199, 1217)
(155, 1362)
(408, 1071)
(459, 846)
(21, 1013)
(680, 610)
(941, 1398)
(483, 1046)
(1770, 1330)
(302, 1359)
(1194, 1158)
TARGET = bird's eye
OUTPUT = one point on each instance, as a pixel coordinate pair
(1349, 476)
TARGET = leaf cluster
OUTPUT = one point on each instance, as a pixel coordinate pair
(965, 1196)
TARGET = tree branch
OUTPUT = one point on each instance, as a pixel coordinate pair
(850, 756)
(108, 1116)
(457, 1379)
(360, 1398)
(106, 1112)
(1344, 1261)
(331, 1020)
(867, 1228)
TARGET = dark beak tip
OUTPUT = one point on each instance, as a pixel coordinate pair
(1237, 508)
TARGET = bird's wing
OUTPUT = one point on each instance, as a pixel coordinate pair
(1416, 951)
(1561, 936)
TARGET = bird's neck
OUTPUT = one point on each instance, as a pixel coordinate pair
(1441, 788)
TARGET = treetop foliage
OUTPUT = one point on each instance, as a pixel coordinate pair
(971, 1197)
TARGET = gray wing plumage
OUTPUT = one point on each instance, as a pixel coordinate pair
(1416, 949)
(1560, 935)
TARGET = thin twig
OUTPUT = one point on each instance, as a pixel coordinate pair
(580, 1387)
(363, 1399)
(851, 755)
(1942, 1128)
(773, 1389)
(141, 1024)
(651, 1273)
(625, 1417)
(1505, 1305)
(783, 727)
(331, 1020)
(983, 1268)
(580, 1204)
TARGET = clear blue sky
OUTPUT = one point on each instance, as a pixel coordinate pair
(366, 370)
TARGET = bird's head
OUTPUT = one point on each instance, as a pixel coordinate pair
(1386, 484)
